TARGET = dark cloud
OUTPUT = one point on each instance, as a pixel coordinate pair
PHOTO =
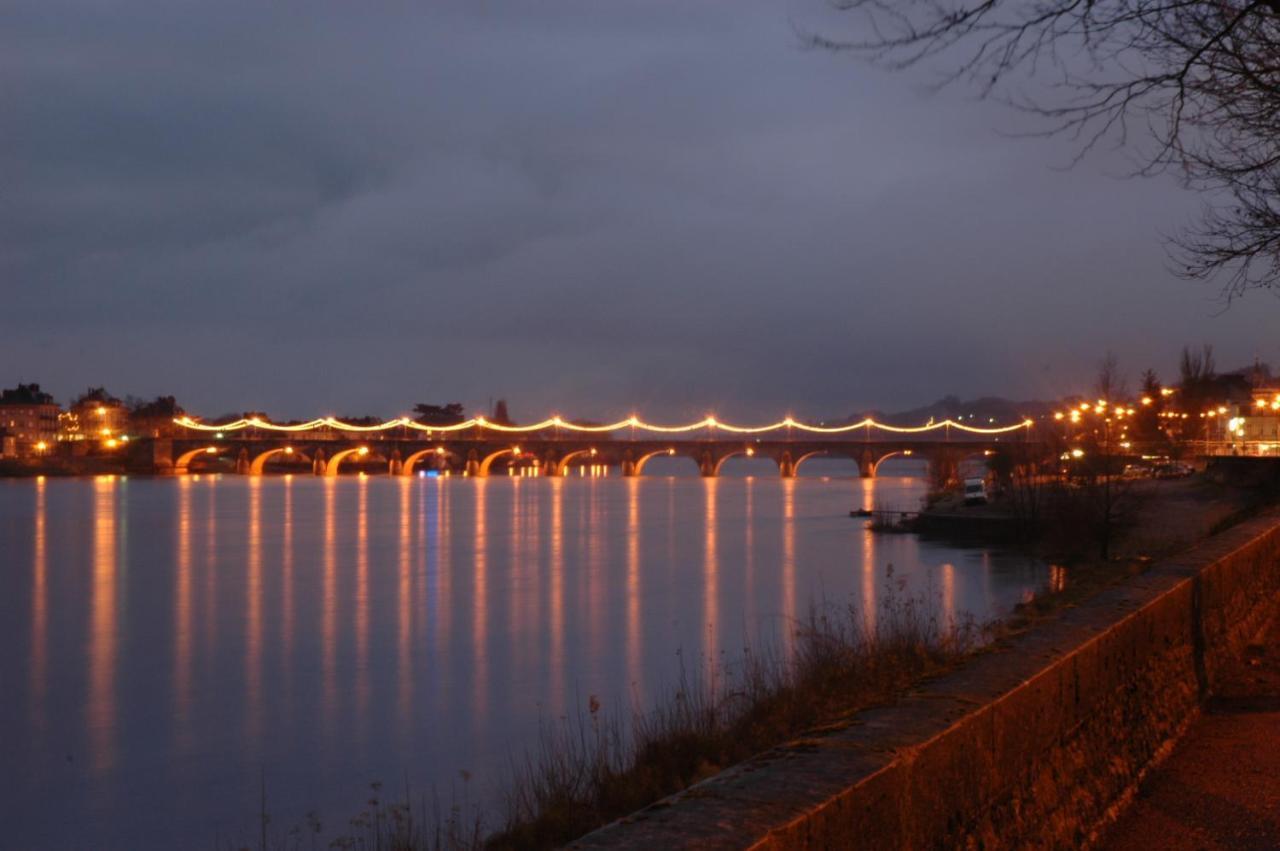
(580, 206)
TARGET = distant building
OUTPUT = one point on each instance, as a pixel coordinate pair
(154, 418)
(95, 415)
(1255, 429)
(1266, 398)
(29, 420)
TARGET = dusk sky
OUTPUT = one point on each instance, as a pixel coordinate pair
(583, 207)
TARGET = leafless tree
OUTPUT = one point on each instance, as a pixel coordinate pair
(1110, 384)
(1200, 80)
(1196, 370)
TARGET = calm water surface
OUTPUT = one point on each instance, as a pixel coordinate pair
(167, 642)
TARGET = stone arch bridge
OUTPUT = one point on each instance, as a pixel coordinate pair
(330, 455)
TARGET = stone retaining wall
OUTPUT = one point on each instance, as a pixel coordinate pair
(1030, 745)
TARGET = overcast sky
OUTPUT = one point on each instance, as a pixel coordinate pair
(584, 207)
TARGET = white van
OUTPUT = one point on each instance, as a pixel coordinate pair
(975, 492)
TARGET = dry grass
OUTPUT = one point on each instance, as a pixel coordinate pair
(589, 770)
(594, 767)
(383, 825)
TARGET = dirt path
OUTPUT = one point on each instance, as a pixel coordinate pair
(1221, 788)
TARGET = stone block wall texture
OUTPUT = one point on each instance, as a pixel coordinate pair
(1030, 745)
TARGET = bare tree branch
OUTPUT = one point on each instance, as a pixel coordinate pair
(1200, 77)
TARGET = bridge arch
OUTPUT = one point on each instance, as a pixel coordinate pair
(259, 464)
(336, 459)
(745, 452)
(562, 466)
(184, 460)
(414, 458)
(638, 465)
(483, 468)
(874, 466)
(795, 464)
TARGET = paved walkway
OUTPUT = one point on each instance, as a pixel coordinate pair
(1221, 788)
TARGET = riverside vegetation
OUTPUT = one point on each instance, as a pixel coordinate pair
(594, 767)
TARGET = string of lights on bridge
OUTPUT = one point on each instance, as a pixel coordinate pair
(632, 423)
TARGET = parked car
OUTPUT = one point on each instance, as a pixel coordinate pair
(975, 492)
(1174, 470)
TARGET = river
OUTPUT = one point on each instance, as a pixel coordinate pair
(172, 644)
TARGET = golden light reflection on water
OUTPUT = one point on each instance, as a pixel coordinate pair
(533, 550)
(253, 621)
(789, 564)
(479, 596)
(211, 567)
(443, 608)
(948, 572)
(594, 531)
(404, 598)
(870, 607)
(182, 627)
(749, 551)
(362, 600)
(556, 626)
(710, 574)
(39, 609)
(101, 706)
(516, 568)
(526, 563)
(633, 580)
(329, 604)
(286, 583)
(1057, 579)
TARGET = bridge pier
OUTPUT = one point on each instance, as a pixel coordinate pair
(396, 465)
(162, 456)
(866, 464)
(707, 465)
(243, 465)
(944, 469)
(318, 464)
(786, 466)
(473, 466)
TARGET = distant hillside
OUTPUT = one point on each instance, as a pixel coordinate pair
(987, 410)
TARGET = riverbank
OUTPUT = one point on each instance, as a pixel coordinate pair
(1174, 517)
(592, 770)
(60, 467)
(1032, 745)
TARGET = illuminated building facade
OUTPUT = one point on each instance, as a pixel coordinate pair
(29, 420)
(1255, 428)
(95, 416)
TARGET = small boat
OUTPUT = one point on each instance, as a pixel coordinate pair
(860, 512)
